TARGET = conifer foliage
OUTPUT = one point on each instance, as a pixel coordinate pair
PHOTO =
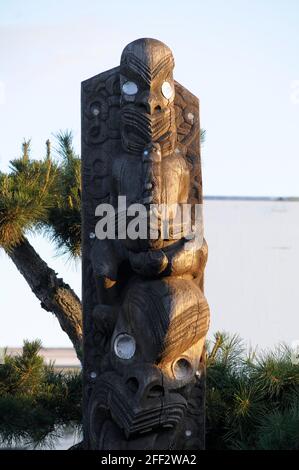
(43, 196)
(252, 398)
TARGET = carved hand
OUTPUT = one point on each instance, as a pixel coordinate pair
(186, 257)
(148, 263)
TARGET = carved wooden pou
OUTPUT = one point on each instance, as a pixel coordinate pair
(145, 315)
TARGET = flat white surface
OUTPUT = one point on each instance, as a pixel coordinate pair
(252, 273)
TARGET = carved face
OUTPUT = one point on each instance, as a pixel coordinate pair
(154, 354)
(147, 96)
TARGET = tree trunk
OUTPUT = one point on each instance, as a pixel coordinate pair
(55, 296)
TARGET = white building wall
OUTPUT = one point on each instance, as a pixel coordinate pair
(252, 276)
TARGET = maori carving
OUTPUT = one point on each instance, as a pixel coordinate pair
(145, 314)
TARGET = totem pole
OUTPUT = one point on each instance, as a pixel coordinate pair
(145, 315)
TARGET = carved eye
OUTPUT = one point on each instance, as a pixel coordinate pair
(182, 369)
(130, 88)
(167, 90)
(124, 346)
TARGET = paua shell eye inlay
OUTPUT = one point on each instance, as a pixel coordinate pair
(182, 369)
(167, 90)
(124, 346)
(129, 88)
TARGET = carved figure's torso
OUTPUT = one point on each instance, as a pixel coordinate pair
(127, 179)
(172, 188)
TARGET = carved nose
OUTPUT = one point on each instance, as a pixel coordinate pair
(145, 383)
(132, 384)
(149, 104)
(152, 392)
(156, 391)
(152, 107)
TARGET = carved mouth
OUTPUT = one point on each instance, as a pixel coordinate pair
(146, 127)
(140, 129)
(136, 416)
(136, 420)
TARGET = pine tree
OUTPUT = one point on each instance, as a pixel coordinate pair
(44, 196)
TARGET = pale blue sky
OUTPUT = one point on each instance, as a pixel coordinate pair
(239, 56)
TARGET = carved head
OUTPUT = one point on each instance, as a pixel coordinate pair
(153, 357)
(147, 96)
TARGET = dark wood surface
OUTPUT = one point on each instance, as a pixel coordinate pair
(152, 290)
